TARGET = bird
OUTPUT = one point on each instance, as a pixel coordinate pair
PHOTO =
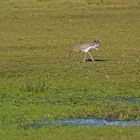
(87, 48)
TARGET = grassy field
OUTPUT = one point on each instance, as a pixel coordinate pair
(38, 80)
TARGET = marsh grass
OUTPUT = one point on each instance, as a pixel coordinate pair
(33, 85)
(39, 81)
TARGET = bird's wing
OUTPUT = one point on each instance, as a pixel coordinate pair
(84, 46)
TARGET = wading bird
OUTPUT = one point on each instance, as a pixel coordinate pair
(86, 48)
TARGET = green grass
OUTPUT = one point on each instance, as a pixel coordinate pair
(74, 133)
(38, 80)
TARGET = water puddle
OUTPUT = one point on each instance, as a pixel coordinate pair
(83, 122)
(133, 100)
(117, 99)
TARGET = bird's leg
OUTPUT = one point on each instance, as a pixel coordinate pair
(91, 56)
(85, 57)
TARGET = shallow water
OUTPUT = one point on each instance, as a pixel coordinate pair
(83, 122)
(133, 100)
(117, 99)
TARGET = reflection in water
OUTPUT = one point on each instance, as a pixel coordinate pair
(83, 122)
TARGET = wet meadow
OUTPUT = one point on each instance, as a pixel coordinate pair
(38, 81)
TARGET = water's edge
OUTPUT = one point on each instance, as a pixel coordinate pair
(83, 122)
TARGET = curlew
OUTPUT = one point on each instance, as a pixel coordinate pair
(87, 48)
